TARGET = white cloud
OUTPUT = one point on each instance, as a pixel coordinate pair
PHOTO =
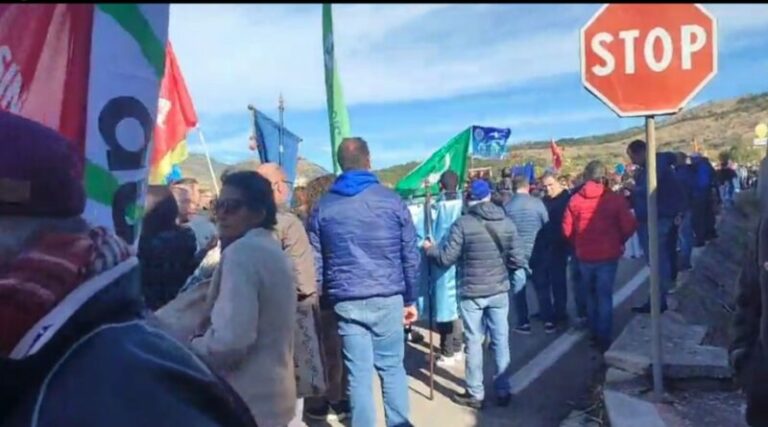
(233, 55)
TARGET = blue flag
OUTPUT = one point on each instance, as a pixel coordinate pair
(268, 142)
(528, 170)
(489, 143)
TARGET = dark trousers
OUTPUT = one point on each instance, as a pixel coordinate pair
(579, 290)
(451, 337)
(672, 250)
(702, 219)
(754, 380)
(550, 280)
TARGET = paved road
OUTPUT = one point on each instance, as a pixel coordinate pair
(553, 372)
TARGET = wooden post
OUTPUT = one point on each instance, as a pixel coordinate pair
(653, 257)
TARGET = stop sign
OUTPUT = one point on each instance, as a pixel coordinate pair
(648, 59)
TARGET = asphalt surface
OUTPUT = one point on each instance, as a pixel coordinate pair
(556, 371)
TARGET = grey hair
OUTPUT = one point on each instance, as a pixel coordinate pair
(16, 231)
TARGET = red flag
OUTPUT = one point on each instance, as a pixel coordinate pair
(45, 54)
(557, 155)
(175, 117)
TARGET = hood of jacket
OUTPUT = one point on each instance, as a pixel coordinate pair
(592, 190)
(487, 211)
(352, 183)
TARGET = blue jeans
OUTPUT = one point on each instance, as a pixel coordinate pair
(517, 279)
(371, 332)
(480, 315)
(665, 267)
(686, 240)
(598, 279)
(551, 280)
(579, 291)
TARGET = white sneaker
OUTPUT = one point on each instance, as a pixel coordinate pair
(447, 362)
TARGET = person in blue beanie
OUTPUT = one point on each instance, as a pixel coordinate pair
(485, 244)
(367, 263)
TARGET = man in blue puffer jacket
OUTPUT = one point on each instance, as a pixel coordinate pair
(368, 263)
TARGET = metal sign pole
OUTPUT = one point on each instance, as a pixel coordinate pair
(653, 256)
(281, 107)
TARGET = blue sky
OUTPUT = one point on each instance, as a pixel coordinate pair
(414, 75)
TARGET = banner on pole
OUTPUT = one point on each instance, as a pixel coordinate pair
(489, 143)
(93, 73)
(268, 133)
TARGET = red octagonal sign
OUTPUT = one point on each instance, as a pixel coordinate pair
(648, 59)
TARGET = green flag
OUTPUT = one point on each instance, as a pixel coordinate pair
(338, 118)
(452, 155)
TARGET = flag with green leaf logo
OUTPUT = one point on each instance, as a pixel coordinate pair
(451, 156)
(338, 118)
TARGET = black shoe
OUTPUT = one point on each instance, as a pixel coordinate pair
(646, 309)
(503, 400)
(415, 337)
(341, 409)
(466, 399)
(524, 329)
(550, 328)
(319, 413)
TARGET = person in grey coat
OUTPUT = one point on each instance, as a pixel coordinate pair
(485, 243)
(529, 215)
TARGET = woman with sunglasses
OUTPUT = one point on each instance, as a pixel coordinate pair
(251, 303)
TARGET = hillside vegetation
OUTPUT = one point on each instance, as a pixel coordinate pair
(719, 127)
(725, 126)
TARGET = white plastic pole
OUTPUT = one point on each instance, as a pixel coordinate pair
(208, 158)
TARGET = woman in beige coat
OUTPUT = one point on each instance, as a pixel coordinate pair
(248, 332)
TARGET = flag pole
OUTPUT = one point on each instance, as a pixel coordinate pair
(208, 158)
(430, 291)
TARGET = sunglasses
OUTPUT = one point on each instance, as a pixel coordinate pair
(228, 205)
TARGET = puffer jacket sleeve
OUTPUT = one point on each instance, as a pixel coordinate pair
(314, 240)
(409, 255)
(448, 251)
(515, 253)
(627, 221)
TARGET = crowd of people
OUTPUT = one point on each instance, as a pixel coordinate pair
(242, 310)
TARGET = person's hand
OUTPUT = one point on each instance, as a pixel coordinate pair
(427, 244)
(678, 219)
(410, 314)
(212, 243)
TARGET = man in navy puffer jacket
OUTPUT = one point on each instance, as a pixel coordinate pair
(367, 261)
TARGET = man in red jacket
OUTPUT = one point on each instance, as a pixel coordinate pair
(598, 222)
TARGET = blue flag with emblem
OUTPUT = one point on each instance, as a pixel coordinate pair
(489, 143)
(268, 140)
